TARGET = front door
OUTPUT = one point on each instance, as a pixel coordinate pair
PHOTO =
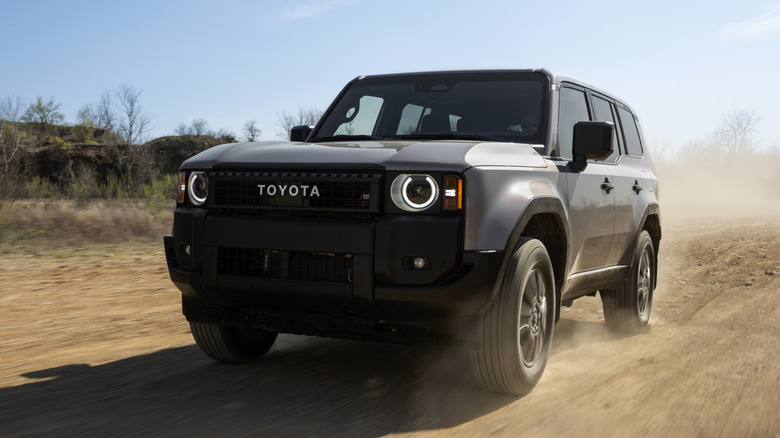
(591, 195)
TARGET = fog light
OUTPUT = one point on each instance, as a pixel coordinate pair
(417, 263)
(187, 250)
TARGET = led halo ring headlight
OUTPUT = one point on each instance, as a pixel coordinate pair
(414, 193)
(198, 187)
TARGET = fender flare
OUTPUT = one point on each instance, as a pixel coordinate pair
(650, 210)
(540, 205)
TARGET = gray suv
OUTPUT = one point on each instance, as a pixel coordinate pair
(461, 207)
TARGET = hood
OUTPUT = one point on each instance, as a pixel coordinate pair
(390, 155)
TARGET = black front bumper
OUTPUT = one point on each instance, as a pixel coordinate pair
(379, 290)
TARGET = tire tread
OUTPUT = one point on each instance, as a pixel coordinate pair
(493, 368)
(222, 344)
(619, 304)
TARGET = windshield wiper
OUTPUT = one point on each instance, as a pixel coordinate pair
(347, 138)
(452, 135)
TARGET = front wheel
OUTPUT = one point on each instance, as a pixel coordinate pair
(627, 309)
(231, 344)
(518, 326)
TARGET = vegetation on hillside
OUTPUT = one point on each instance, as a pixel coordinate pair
(106, 153)
(103, 156)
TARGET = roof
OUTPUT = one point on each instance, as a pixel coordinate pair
(555, 77)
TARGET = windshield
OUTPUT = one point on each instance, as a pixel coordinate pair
(497, 106)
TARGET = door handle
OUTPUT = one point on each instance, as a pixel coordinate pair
(607, 186)
(637, 187)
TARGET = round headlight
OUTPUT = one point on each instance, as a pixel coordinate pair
(414, 192)
(198, 187)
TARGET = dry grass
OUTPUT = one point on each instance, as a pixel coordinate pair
(707, 183)
(58, 222)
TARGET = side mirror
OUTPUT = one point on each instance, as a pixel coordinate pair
(300, 132)
(592, 141)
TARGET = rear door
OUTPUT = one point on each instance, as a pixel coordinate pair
(623, 174)
(629, 187)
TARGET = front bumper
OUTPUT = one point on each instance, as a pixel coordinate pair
(375, 287)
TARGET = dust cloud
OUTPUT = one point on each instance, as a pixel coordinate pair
(709, 183)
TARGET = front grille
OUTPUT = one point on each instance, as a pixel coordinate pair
(301, 191)
(292, 265)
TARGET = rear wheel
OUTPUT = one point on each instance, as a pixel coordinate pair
(231, 344)
(627, 309)
(518, 326)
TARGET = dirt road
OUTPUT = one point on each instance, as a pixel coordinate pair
(92, 342)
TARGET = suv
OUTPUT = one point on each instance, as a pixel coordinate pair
(465, 207)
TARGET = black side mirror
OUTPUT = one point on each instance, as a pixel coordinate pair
(300, 132)
(592, 141)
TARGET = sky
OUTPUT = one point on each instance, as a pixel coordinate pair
(681, 66)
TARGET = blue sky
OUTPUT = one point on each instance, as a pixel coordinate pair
(681, 65)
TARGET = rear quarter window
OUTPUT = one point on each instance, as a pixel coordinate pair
(630, 133)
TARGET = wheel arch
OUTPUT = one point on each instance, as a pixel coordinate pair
(544, 219)
(651, 222)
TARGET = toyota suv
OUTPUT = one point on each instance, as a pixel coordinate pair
(460, 207)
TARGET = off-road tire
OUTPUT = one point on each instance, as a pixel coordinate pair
(627, 308)
(231, 344)
(518, 326)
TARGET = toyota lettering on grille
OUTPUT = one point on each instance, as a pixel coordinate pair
(291, 190)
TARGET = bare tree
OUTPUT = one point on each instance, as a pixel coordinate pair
(736, 129)
(199, 126)
(182, 129)
(44, 117)
(104, 115)
(133, 120)
(13, 141)
(84, 130)
(120, 112)
(222, 134)
(251, 130)
(305, 116)
(11, 109)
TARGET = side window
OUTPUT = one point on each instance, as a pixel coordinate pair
(602, 112)
(630, 132)
(573, 108)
